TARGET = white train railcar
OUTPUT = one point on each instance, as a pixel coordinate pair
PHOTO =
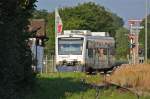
(71, 48)
(84, 48)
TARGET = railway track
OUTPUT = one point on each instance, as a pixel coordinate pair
(107, 85)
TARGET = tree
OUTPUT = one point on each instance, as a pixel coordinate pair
(90, 16)
(15, 62)
(121, 43)
(40, 14)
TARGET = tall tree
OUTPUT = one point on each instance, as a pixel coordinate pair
(90, 16)
(15, 61)
(40, 14)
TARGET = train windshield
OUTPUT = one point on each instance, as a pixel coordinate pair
(70, 46)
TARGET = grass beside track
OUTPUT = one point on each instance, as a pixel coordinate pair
(69, 86)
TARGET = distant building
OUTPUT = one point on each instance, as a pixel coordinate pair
(38, 28)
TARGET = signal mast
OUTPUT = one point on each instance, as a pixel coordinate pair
(133, 37)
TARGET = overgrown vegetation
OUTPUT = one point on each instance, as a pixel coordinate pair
(132, 76)
(15, 62)
(69, 86)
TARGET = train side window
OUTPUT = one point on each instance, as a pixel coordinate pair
(105, 51)
(90, 52)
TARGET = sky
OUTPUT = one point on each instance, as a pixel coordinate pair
(126, 9)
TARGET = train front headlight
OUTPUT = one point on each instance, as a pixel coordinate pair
(64, 62)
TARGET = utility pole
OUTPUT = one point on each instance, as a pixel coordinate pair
(146, 10)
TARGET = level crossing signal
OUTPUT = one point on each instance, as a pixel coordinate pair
(131, 45)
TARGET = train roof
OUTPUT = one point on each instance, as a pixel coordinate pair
(91, 38)
(100, 42)
(100, 38)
